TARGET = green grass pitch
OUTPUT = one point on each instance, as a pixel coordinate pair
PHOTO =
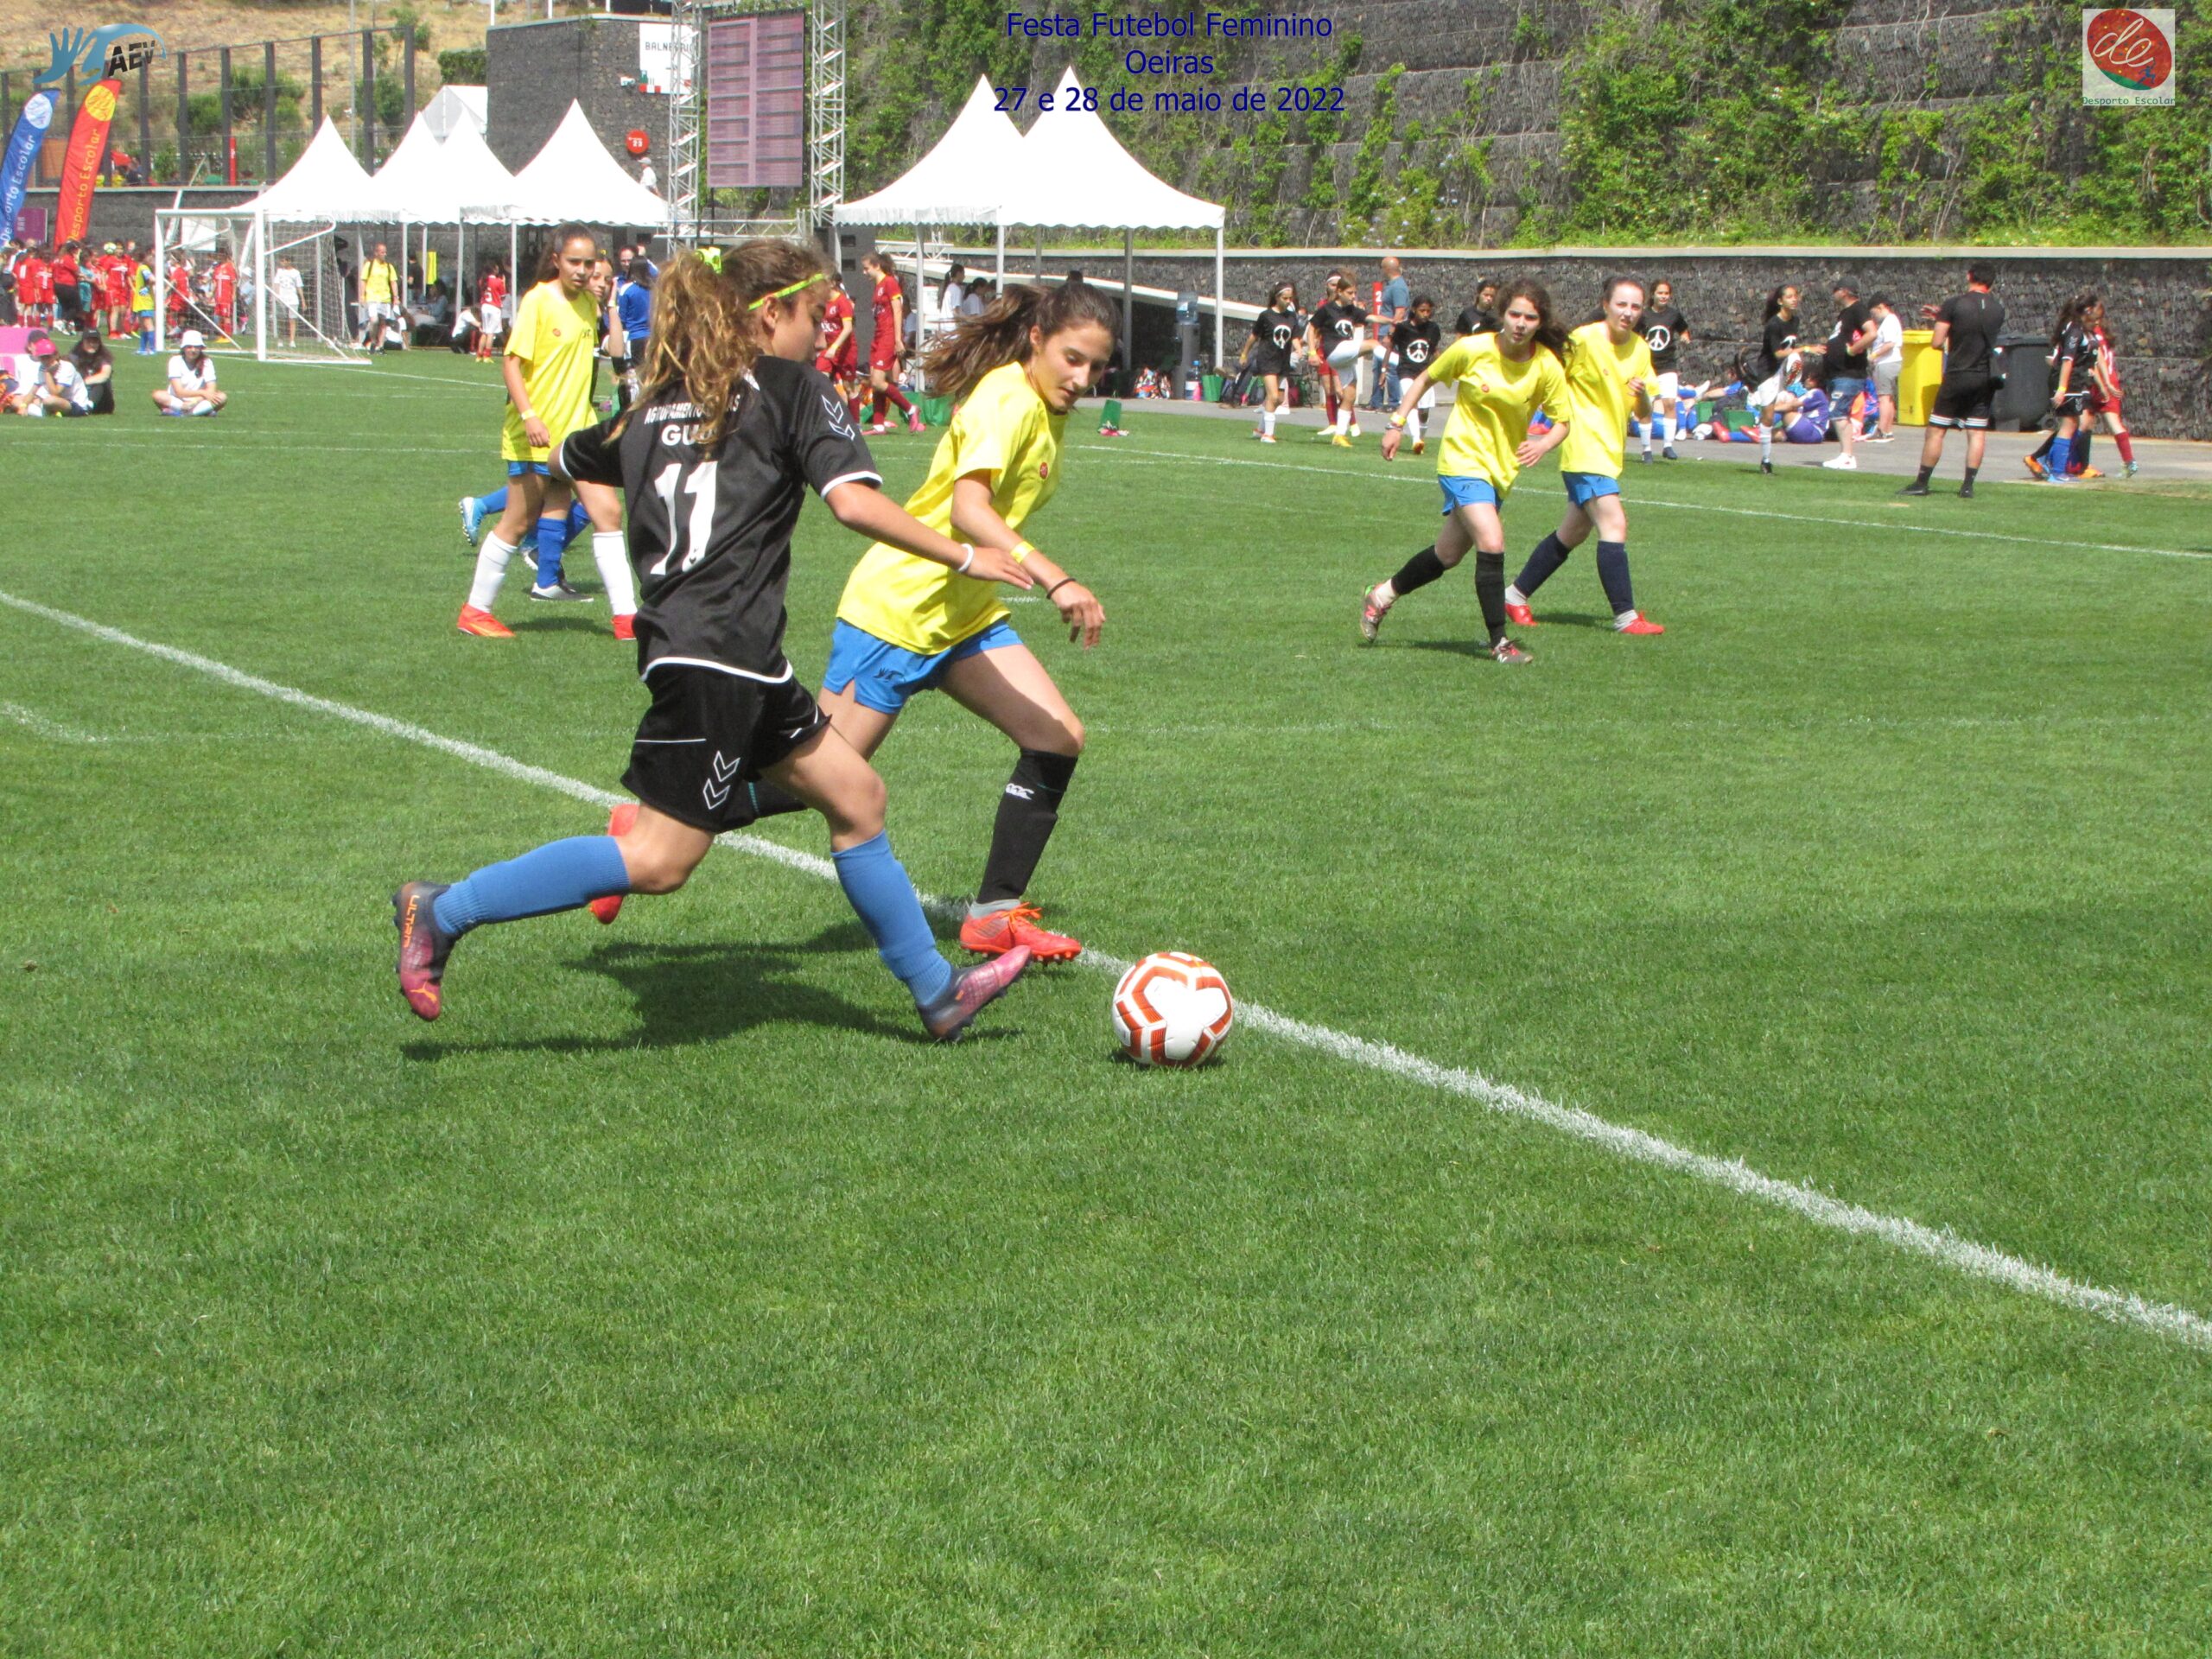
(670, 1296)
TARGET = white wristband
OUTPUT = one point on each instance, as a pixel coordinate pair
(965, 562)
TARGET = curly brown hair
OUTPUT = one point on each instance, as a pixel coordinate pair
(704, 336)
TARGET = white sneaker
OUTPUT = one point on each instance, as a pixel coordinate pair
(1842, 463)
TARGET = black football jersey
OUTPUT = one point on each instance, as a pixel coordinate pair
(710, 531)
(1277, 331)
(1663, 332)
(1337, 323)
(1415, 344)
(1778, 341)
(1975, 321)
(1473, 319)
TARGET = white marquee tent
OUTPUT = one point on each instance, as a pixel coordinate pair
(574, 177)
(456, 107)
(1069, 171)
(325, 182)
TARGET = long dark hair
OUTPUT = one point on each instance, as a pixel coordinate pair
(1774, 298)
(703, 336)
(549, 255)
(1551, 333)
(1613, 285)
(90, 351)
(1275, 294)
(1001, 335)
(2072, 312)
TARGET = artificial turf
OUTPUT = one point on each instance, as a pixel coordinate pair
(671, 1295)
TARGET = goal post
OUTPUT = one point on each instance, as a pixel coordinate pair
(287, 298)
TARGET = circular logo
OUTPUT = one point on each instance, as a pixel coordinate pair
(99, 103)
(637, 141)
(38, 112)
(2129, 49)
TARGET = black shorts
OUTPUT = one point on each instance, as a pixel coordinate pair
(1964, 401)
(710, 733)
(1274, 363)
(2076, 404)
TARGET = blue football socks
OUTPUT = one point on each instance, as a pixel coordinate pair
(2061, 452)
(552, 540)
(560, 875)
(877, 886)
(493, 504)
(579, 520)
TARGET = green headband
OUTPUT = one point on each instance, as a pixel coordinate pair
(786, 293)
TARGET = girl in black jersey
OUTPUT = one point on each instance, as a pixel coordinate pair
(1780, 335)
(1272, 352)
(731, 427)
(1417, 340)
(2073, 346)
(1337, 337)
(1481, 317)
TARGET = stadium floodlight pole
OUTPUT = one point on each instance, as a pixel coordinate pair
(1217, 294)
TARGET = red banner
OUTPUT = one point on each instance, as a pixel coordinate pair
(80, 162)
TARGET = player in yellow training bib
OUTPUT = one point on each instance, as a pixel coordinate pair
(906, 624)
(1503, 379)
(1608, 373)
(548, 369)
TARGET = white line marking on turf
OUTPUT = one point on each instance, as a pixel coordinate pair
(39, 725)
(1641, 499)
(1938, 1244)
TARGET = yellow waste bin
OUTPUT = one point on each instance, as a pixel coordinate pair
(1916, 381)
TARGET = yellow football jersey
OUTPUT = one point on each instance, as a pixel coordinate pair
(1598, 400)
(554, 335)
(1490, 411)
(1004, 429)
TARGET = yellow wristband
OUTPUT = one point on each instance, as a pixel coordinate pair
(1022, 549)
(1397, 420)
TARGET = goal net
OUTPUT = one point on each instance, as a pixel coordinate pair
(254, 285)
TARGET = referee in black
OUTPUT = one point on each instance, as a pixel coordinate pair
(1967, 326)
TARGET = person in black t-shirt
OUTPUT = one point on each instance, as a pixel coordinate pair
(1417, 341)
(1967, 327)
(1779, 336)
(1272, 352)
(732, 426)
(1853, 332)
(1337, 337)
(1665, 331)
(1481, 317)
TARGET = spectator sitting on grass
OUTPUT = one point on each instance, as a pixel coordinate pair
(97, 369)
(191, 388)
(56, 388)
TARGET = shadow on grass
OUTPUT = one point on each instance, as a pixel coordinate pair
(564, 621)
(688, 994)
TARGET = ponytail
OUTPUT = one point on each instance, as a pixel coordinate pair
(704, 332)
(1001, 334)
(548, 257)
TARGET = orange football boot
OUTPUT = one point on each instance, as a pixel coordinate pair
(1002, 930)
(618, 825)
(626, 627)
(483, 624)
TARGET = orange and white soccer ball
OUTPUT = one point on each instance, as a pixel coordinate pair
(1172, 1009)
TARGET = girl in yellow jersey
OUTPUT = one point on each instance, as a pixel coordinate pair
(1504, 378)
(907, 625)
(1608, 373)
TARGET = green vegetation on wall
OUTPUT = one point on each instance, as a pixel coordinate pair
(1694, 120)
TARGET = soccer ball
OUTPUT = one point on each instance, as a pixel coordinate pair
(1172, 1009)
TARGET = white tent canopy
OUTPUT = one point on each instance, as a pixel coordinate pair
(458, 106)
(574, 177)
(1078, 174)
(1070, 170)
(429, 182)
(964, 179)
(325, 182)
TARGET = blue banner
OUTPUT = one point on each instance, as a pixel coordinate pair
(22, 150)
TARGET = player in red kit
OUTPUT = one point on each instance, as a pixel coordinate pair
(180, 295)
(839, 358)
(35, 288)
(883, 347)
(223, 290)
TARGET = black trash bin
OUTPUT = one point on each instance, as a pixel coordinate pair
(2025, 398)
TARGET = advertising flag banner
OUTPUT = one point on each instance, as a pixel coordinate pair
(80, 162)
(21, 151)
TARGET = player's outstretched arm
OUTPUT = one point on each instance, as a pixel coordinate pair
(973, 515)
(866, 510)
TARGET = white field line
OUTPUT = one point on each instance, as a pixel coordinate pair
(2164, 1319)
(53, 730)
(1887, 527)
